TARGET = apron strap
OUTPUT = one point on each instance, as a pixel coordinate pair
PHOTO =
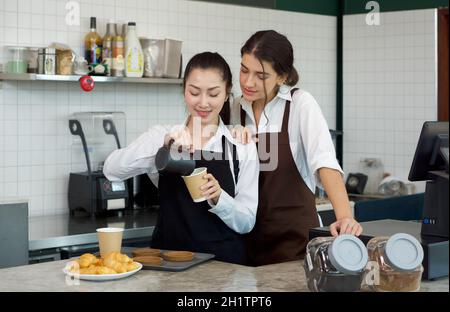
(285, 117)
(243, 114)
(287, 109)
(235, 164)
(234, 156)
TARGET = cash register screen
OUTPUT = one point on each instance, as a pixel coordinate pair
(118, 186)
(430, 151)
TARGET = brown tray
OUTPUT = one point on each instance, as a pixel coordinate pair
(171, 265)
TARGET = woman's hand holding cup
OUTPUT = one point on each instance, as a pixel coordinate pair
(211, 190)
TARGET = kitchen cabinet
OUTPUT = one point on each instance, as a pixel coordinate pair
(13, 232)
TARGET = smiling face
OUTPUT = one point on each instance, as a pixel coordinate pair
(205, 93)
(253, 76)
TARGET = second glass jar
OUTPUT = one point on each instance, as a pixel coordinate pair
(335, 264)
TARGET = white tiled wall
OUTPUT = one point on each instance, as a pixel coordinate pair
(389, 87)
(35, 143)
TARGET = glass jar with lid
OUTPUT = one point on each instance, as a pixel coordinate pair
(335, 264)
(17, 60)
(398, 263)
(33, 55)
(47, 61)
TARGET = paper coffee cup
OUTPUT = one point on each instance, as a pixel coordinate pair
(194, 182)
(109, 240)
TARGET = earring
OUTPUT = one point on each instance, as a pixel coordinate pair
(284, 89)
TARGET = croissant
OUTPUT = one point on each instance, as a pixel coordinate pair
(91, 270)
(89, 256)
(116, 256)
(105, 270)
(112, 263)
(132, 266)
(82, 271)
(117, 266)
(125, 259)
(86, 260)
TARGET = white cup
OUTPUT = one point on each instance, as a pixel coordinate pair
(109, 240)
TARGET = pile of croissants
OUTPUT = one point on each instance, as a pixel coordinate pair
(112, 263)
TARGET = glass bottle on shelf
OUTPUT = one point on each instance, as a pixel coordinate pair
(107, 52)
(118, 54)
(93, 44)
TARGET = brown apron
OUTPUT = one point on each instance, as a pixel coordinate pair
(286, 208)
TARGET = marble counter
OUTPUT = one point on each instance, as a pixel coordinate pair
(211, 276)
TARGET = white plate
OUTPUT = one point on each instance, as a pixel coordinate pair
(99, 278)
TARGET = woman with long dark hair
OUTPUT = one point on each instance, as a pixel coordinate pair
(295, 149)
(231, 188)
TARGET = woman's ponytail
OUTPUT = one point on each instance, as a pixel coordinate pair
(292, 78)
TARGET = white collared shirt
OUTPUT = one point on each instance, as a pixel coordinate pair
(238, 213)
(309, 136)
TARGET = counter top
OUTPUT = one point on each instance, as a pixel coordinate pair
(13, 200)
(66, 230)
(211, 276)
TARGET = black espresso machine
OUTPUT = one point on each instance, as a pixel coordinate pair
(90, 191)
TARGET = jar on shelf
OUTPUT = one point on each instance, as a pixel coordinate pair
(335, 264)
(17, 60)
(398, 262)
(47, 61)
(33, 55)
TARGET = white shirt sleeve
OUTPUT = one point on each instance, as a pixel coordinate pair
(137, 158)
(239, 213)
(315, 136)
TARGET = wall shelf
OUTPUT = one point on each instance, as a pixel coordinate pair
(75, 78)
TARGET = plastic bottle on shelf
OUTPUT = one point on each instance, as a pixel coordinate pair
(134, 56)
